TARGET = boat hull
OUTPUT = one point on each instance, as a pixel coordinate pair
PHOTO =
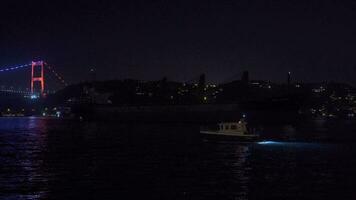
(229, 136)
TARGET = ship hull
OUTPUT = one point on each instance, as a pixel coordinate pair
(229, 136)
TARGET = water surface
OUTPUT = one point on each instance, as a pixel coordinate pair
(58, 159)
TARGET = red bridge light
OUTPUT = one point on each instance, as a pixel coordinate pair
(37, 78)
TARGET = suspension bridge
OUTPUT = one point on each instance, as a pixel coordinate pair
(38, 77)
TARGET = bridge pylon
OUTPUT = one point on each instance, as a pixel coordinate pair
(37, 78)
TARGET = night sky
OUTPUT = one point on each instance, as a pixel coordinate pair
(315, 40)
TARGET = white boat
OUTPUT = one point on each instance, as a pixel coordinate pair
(237, 130)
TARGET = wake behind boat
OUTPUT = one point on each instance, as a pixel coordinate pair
(234, 130)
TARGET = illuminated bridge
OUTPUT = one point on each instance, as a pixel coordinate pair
(38, 75)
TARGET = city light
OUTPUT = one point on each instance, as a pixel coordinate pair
(34, 96)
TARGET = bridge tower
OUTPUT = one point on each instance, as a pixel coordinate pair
(39, 78)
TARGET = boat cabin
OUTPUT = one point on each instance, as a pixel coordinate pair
(233, 127)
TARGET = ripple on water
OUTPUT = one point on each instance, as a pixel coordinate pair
(46, 159)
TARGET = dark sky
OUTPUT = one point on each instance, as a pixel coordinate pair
(151, 39)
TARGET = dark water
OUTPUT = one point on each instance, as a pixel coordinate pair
(53, 159)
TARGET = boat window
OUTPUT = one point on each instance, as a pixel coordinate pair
(233, 127)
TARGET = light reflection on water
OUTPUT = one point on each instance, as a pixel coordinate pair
(52, 159)
(290, 144)
(21, 143)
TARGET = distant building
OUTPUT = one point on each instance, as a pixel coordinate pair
(245, 77)
(201, 81)
(92, 75)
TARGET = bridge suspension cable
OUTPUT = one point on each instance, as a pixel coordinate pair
(14, 67)
(50, 68)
